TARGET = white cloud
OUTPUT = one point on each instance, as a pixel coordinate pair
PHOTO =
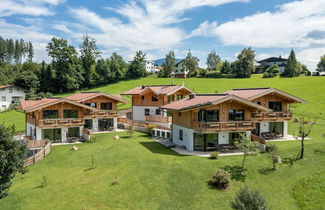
(27, 7)
(205, 29)
(311, 56)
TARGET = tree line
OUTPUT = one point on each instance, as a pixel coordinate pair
(14, 51)
(69, 70)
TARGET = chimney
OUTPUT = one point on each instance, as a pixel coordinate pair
(192, 96)
(143, 87)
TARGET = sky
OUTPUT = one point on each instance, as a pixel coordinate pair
(270, 27)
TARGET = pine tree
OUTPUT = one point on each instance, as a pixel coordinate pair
(10, 51)
(137, 68)
(249, 199)
(2, 49)
(18, 52)
(292, 66)
(30, 52)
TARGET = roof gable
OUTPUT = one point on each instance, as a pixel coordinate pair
(83, 96)
(156, 89)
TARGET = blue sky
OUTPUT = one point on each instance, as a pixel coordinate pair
(270, 27)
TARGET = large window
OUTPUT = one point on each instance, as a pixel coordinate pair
(88, 123)
(205, 142)
(275, 106)
(235, 137)
(158, 111)
(91, 104)
(70, 113)
(276, 127)
(50, 114)
(106, 106)
(146, 112)
(73, 132)
(52, 134)
(208, 116)
(154, 98)
(236, 115)
(170, 98)
(179, 97)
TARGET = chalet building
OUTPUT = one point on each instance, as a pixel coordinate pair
(181, 71)
(264, 64)
(10, 94)
(62, 119)
(203, 122)
(147, 100)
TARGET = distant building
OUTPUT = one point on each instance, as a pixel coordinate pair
(181, 71)
(262, 65)
(150, 67)
(10, 94)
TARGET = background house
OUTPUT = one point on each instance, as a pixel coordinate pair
(180, 71)
(10, 94)
(150, 66)
(262, 65)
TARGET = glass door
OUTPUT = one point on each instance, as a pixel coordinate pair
(257, 130)
(198, 142)
(277, 128)
(211, 141)
(53, 135)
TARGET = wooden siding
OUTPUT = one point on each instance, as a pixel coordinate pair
(273, 98)
(188, 118)
(102, 99)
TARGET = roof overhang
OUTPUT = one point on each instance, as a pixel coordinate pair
(105, 95)
(281, 93)
(180, 88)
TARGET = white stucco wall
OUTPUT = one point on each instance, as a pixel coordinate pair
(95, 125)
(139, 114)
(285, 128)
(223, 137)
(16, 92)
(187, 137)
(264, 126)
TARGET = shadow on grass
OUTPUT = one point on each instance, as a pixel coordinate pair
(89, 169)
(266, 171)
(236, 173)
(157, 148)
(290, 161)
(319, 152)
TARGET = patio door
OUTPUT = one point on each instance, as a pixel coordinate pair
(205, 142)
(257, 130)
(54, 135)
(277, 128)
(105, 124)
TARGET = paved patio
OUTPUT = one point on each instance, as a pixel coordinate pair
(288, 138)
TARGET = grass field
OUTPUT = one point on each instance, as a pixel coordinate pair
(154, 177)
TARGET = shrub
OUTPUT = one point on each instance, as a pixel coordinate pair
(250, 199)
(216, 74)
(268, 75)
(116, 181)
(214, 155)
(149, 128)
(220, 179)
(44, 182)
(271, 148)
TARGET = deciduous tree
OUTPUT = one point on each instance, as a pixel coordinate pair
(212, 61)
(321, 64)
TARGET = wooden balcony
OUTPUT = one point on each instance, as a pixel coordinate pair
(159, 119)
(101, 114)
(53, 123)
(224, 126)
(273, 116)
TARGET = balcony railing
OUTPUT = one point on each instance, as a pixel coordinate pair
(61, 122)
(271, 116)
(220, 126)
(107, 113)
(160, 119)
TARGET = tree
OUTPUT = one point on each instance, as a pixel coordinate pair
(305, 128)
(68, 71)
(30, 52)
(225, 68)
(245, 65)
(191, 63)
(12, 154)
(118, 66)
(10, 51)
(249, 199)
(274, 69)
(89, 54)
(137, 68)
(247, 146)
(46, 78)
(18, 52)
(321, 64)
(291, 68)
(102, 69)
(169, 65)
(212, 61)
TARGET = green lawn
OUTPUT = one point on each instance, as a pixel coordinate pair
(13, 118)
(153, 177)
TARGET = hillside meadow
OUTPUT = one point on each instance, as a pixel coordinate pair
(154, 177)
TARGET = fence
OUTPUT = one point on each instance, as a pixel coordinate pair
(46, 148)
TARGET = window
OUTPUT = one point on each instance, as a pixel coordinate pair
(106, 106)
(158, 111)
(91, 104)
(179, 114)
(236, 115)
(15, 99)
(70, 113)
(3, 98)
(258, 102)
(147, 112)
(181, 135)
(208, 116)
(10, 90)
(179, 97)
(4, 107)
(235, 137)
(142, 97)
(276, 127)
(88, 123)
(53, 135)
(154, 98)
(170, 98)
(73, 132)
(50, 114)
(275, 106)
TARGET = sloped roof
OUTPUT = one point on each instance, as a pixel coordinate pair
(6, 86)
(157, 89)
(273, 59)
(32, 105)
(83, 96)
(253, 93)
(201, 100)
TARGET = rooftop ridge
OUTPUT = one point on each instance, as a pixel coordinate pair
(158, 85)
(91, 92)
(54, 97)
(210, 94)
(262, 88)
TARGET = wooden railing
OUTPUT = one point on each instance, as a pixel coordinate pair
(160, 119)
(260, 116)
(61, 122)
(219, 126)
(109, 113)
(139, 123)
(41, 154)
(258, 139)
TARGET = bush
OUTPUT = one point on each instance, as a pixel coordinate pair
(214, 155)
(268, 75)
(249, 199)
(271, 148)
(149, 128)
(220, 179)
(216, 74)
